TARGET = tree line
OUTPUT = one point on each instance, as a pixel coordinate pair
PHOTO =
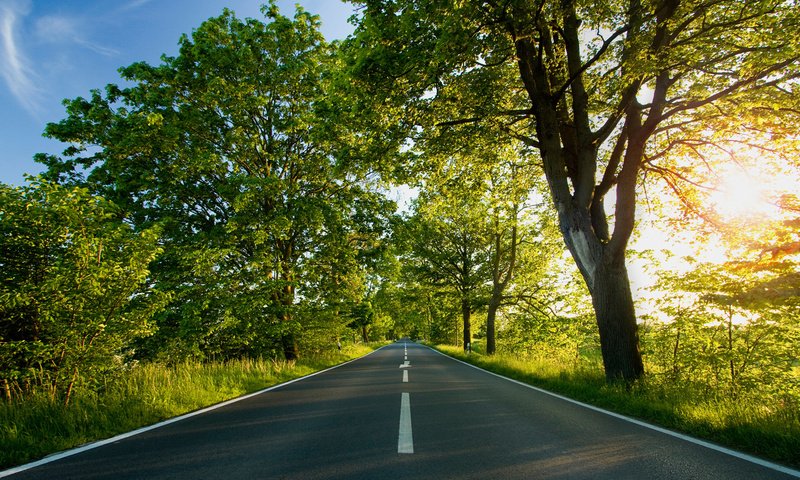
(232, 200)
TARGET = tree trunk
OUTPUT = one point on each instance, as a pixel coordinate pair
(675, 350)
(499, 279)
(616, 321)
(291, 351)
(491, 315)
(70, 386)
(466, 313)
(570, 158)
(285, 299)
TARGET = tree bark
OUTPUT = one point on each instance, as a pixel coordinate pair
(500, 279)
(616, 322)
(466, 314)
(70, 386)
(491, 315)
(601, 260)
(291, 351)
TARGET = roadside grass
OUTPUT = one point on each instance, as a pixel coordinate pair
(146, 394)
(744, 423)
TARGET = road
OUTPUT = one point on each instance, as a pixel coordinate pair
(404, 411)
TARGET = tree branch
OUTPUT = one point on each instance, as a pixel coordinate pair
(510, 113)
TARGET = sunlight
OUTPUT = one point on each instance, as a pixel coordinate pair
(740, 195)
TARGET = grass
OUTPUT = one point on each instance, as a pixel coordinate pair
(766, 429)
(144, 395)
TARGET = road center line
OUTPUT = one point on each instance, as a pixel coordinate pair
(405, 376)
(405, 440)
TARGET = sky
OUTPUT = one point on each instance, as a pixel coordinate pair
(51, 50)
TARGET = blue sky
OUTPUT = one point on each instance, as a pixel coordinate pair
(56, 49)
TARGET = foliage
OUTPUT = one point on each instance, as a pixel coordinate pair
(763, 428)
(74, 291)
(363, 317)
(603, 92)
(142, 395)
(447, 248)
(231, 146)
(722, 334)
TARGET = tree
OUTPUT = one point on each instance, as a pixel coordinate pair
(363, 317)
(729, 329)
(600, 90)
(510, 188)
(232, 147)
(447, 246)
(74, 293)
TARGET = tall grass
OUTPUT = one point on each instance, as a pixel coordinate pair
(767, 428)
(145, 394)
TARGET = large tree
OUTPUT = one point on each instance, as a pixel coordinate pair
(448, 247)
(232, 147)
(601, 90)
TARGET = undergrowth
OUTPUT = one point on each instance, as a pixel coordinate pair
(144, 394)
(763, 427)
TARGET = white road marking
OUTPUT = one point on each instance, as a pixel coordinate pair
(727, 451)
(405, 376)
(405, 440)
(68, 453)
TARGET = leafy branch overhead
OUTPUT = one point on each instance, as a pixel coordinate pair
(233, 200)
(596, 89)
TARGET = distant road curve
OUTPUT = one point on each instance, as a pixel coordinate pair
(402, 412)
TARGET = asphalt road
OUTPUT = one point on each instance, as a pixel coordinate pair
(402, 412)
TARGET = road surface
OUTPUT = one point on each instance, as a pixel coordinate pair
(404, 411)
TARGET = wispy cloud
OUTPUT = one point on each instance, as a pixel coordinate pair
(63, 30)
(135, 4)
(19, 76)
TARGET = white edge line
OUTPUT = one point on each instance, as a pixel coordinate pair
(687, 438)
(90, 446)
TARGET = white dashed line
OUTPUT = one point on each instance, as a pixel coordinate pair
(405, 439)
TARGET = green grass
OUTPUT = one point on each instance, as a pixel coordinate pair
(766, 429)
(146, 394)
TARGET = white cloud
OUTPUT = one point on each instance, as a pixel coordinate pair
(135, 4)
(19, 76)
(63, 30)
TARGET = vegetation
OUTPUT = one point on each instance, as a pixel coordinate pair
(230, 149)
(767, 430)
(230, 205)
(142, 395)
(72, 292)
(601, 92)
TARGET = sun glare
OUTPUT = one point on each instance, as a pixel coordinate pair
(741, 195)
